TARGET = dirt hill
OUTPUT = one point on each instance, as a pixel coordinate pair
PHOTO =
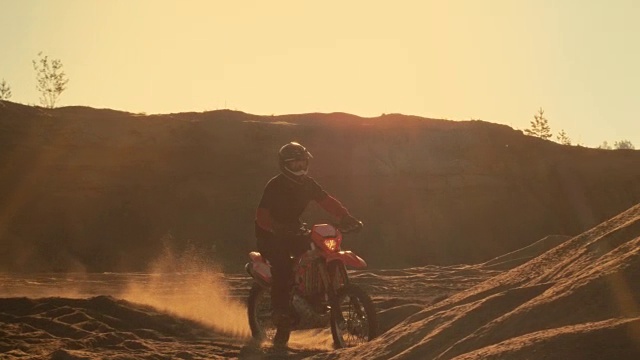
(98, 189)
(576, 301)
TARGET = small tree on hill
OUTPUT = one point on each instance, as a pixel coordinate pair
(563, 138)
(539, 126)
(605, 146)
(5, 90)
(52, 81)
(623, 144)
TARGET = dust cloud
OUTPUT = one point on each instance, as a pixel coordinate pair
(188, 285)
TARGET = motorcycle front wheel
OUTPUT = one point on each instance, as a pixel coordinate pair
(355, 322)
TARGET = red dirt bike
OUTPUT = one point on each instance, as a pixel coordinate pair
(322, 295)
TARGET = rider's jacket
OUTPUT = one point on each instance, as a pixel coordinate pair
(284, 200)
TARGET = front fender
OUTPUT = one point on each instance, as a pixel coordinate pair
(348, 258)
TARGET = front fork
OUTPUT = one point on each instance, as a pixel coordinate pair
(334, 275)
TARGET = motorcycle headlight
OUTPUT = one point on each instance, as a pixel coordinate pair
(331, 244)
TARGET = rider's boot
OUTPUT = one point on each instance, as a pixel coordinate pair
(282, 337)
(282, 321)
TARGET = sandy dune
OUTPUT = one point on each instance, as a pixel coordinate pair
(197, 315)
(578, 300)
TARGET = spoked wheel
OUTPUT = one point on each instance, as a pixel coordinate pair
(259, 309)
(355, 322)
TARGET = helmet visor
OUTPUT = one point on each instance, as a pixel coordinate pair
(297, 165)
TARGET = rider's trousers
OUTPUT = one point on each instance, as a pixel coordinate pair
(279, 250)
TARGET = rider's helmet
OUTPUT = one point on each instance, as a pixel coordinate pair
(293, 160)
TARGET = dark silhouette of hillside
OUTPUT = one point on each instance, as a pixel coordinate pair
(98, 189)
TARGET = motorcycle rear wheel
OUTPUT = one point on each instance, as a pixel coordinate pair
(260, 313)
(355, 322)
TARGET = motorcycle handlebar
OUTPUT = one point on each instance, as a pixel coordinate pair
(344, 229)
(350, 229)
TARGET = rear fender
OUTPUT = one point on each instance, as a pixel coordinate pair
(348, 258)
(259, 269)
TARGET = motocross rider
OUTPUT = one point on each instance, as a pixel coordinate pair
(277, 224)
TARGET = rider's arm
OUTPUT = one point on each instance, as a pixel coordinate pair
(328, 202)
(333, 206)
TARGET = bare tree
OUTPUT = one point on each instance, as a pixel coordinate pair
(5, 90)
(52, 80)
(539, 126)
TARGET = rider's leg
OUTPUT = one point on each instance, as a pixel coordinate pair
(282, 277)
(276, 251)
(282, 270)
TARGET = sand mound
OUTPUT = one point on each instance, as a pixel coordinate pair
(187, 315)
(102, 327)
(576, 301)
(60, 328)
(521, 256)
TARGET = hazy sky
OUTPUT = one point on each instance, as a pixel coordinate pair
(494, 60)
